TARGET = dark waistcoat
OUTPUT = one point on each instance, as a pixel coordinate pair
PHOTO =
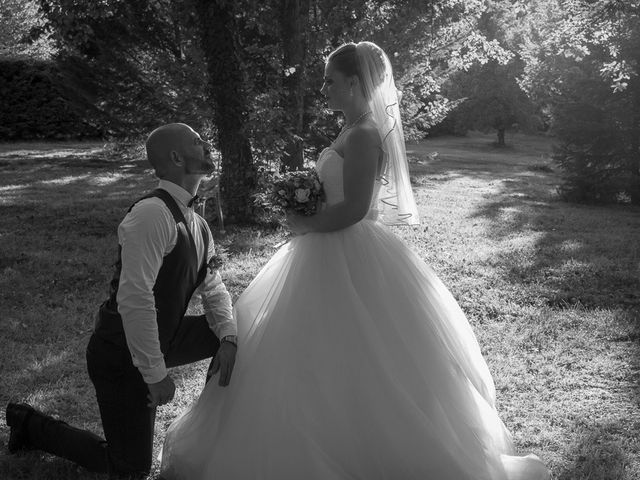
(177, 279)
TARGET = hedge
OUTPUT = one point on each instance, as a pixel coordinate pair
(33, 104)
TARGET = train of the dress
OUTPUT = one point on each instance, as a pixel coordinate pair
(355, 362)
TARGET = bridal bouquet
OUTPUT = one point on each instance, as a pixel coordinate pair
(299, 191)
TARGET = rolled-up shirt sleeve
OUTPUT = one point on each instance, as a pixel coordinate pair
(145, 235)
(216, 300)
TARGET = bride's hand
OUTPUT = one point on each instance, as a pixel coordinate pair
(297, 224)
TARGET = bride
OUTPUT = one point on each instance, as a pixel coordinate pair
(354, 360)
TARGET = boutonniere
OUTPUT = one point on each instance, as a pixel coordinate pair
(217, 260)
(215, 263)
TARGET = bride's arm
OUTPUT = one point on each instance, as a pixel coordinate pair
(361, 154)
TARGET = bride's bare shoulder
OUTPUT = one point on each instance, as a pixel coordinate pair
(364, 135)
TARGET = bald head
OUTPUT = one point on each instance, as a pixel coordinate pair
(174, 137)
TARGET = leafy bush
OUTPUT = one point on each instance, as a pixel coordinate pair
(598, 140)
(581, 65)
(34, 104)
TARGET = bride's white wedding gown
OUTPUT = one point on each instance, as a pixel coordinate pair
(355, 363)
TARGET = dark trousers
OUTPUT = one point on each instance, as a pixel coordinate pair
(127, 421)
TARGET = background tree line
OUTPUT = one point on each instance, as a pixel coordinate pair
(248, 73)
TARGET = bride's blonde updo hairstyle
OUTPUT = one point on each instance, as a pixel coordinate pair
(348, 59)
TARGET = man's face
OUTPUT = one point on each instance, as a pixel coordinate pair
(197, 157)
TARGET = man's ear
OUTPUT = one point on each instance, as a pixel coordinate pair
(175, 158)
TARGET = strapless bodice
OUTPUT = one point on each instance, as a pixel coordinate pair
(330, 167)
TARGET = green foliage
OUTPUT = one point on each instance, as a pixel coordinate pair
(140, 63)
(598, 136)
(22, 31)
(491, 99)
(137, 64)
(34, 106)
(581, 60)
(488, 94)
(262, 66)
(428, 42)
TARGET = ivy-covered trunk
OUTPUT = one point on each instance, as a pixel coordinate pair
(219, 43)
(294, 21)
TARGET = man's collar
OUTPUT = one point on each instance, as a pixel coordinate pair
(176, 191)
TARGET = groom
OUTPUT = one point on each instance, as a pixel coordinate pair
(165, 250)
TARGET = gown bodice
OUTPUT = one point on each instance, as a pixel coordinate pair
(330, 168)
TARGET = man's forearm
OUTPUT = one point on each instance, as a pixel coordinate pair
(141, 332)
(217, 305)
(219, 312)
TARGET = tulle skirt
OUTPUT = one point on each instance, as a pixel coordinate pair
(355, 362)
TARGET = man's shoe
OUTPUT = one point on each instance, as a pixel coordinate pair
(17, 416)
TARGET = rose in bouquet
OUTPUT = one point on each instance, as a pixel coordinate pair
(298, 191)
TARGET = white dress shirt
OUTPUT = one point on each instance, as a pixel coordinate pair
(147, 234)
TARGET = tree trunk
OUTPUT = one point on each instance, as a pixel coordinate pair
(634, 164)
(178, 51)
(238, 177)
(501, 137)
(294, 24)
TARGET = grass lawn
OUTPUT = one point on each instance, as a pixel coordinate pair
(551, 289)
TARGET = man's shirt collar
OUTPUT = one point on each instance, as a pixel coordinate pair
(176, 191)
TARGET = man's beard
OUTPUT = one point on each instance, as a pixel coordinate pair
(203, 167)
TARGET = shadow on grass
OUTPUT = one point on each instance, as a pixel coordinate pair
(54, 380)
(583, 254)
(581, 263)
(598, 455)
(36, 465)
(60, 206)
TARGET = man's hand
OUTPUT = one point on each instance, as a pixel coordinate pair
(161, 392)
(224, 361)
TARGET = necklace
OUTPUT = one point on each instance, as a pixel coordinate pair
(352, 124)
